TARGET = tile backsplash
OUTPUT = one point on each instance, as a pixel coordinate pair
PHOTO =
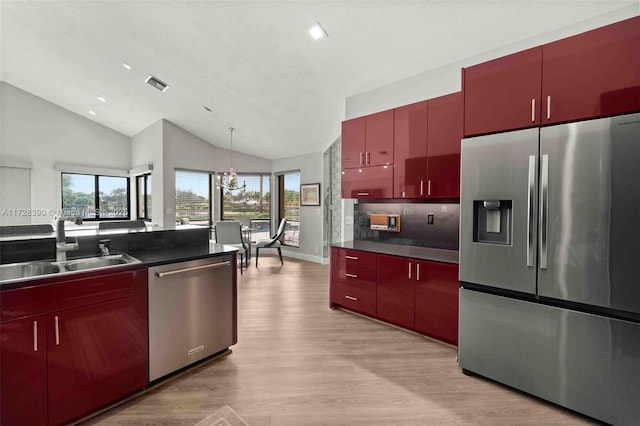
(414, 229)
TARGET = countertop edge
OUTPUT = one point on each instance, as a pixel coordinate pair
(414, 252)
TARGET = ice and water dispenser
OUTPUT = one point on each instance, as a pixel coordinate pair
(492, 221)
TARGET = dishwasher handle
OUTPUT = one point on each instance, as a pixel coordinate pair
(193, 268)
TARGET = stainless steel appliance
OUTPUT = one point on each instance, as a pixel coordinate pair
(191, 312)
(549, 263)
(385, 222)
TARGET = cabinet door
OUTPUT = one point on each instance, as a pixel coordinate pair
(592, 74)
(353, 135)
(503, 94)
(379, 138)
(367, 182)
(396, 290)
(23, 367)
(410, 151)
(436, 293)
(444, 136)
(96, 355)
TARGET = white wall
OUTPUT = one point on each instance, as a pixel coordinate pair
(146, 149)
(447, 79)
(43, 134)
(311, 217)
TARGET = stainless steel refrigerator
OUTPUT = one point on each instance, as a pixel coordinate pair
(550, 264)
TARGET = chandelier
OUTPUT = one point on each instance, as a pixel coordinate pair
(229, 180)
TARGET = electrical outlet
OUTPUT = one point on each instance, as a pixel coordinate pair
(429, 218)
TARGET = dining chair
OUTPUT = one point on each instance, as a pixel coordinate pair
(229, 233)
(273, 242)
(244, 220)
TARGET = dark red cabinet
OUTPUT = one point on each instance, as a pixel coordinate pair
(368, 182)
(436, 301)
(353, 137)
(593, 74)
(92, 345)
(367, 156)
(23, 368)
(589, 75)
(444, 136)
(410, 151)
(396, 279)
(353, 280)
(427, 148)
(96, 354)
(503, 94)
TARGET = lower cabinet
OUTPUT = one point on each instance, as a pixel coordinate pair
(416, 294)
(86, 349)
(23, 369)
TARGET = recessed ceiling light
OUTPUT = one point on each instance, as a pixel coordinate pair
(126, 66)
(316, 31)
(101, 98)
(92, 112)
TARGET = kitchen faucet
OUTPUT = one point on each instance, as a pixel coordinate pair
(62, 247)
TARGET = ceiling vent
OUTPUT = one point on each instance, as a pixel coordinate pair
(157, 83)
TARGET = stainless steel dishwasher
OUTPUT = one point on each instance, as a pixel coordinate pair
(191, 312)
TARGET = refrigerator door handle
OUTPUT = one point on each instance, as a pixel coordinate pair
(544, 210)
(531, 209)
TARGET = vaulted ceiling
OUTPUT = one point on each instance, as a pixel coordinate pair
(251, 62)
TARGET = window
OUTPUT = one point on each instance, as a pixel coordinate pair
(143, 188)
(193, 197)
(289, 206)
(95, 197)
(254, 204)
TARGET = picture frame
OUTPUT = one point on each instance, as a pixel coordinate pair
(310, 194)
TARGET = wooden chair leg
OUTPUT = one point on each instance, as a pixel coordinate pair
(280, 254)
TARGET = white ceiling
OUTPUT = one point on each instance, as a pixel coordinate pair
(252, 62)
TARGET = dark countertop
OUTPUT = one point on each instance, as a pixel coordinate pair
(161, 256)
(415, 252)
(93, 231)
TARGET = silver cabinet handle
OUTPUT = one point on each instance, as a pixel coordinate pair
(362, 158)
(409, 270)
(193, 268)
(417, 272)
(533, 110)
(429, 187)
(351, 275)
(35, 336)
(421, 187)
(544, 210)
(368, 158)
(530, 208)
(351, 298)
(55, 319)
(549, 107)
(363, 193)
(351, 257)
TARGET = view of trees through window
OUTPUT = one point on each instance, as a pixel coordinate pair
(193, 197)
(289, 184)
(95, 197)
(254, 203)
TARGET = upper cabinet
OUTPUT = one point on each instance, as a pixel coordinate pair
(503, 94)
(593, 74)
(427, 148)
(368, 141)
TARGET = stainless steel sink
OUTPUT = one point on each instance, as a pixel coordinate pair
(98, 262)
(27, 270)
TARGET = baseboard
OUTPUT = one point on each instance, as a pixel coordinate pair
(304, 256)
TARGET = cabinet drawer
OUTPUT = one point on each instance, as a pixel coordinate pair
(355, 298)
(354, 274)
(363, 258)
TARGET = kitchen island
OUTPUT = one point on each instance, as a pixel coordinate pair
(75, 342)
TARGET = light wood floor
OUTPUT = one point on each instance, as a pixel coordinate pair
(299, 362)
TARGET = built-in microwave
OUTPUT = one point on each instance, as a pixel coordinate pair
(385, 222)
